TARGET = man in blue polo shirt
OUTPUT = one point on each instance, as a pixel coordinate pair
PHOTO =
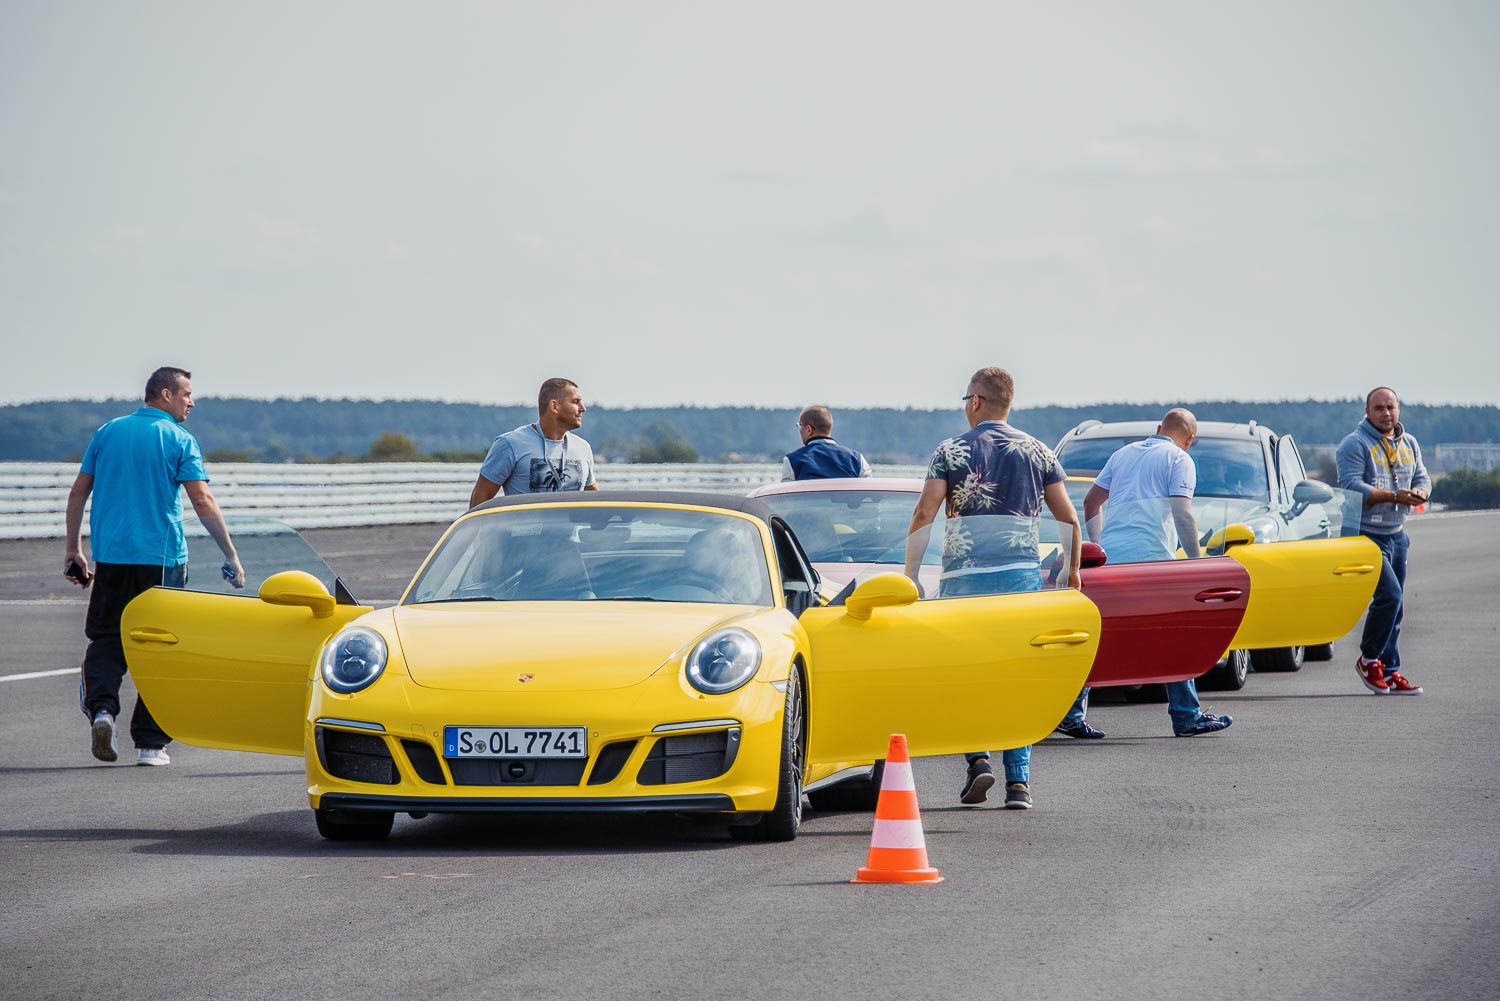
(135, 467)
(820, 457)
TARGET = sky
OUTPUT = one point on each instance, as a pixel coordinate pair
(706, 203)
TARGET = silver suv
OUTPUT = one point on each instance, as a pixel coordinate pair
(1247, 474)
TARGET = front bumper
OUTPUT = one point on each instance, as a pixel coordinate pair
(655, 748)
(706, 803)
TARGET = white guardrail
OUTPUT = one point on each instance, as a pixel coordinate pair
(34, 495)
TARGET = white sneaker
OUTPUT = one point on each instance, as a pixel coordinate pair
(152, 756)
(104, 746)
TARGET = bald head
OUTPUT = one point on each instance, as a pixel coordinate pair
(818, 419)
(1180, 425)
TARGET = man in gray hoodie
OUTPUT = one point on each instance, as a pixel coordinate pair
(1384, 463)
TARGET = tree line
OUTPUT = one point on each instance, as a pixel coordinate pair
(314, 430)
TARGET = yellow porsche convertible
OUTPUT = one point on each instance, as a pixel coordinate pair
(634, 651)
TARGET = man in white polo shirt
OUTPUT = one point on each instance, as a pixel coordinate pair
(1149, 485)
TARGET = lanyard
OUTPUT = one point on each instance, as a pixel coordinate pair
(562, 463)
(1389, 448)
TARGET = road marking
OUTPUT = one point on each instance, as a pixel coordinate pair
(38, 674)
(60, 602)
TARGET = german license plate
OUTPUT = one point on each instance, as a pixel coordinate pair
(515, 742)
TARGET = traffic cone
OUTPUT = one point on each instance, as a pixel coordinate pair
(898, 852)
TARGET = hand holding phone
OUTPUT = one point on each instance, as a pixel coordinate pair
(77, 574)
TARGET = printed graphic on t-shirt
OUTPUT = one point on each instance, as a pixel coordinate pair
(549, 476)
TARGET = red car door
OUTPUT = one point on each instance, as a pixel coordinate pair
(1165, 621)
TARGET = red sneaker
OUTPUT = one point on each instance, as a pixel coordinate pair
(1400, 686)
(1372, 673)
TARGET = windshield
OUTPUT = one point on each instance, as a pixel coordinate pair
(1086, 456)
(1227, 467)
(853, 526)
(1230, 468)
(1149, 530)
(265, 547)
(598, 552)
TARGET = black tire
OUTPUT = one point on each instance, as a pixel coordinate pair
(1146, 694)
(1229, 674)
(354, 825)
(1280, 659)
(783, 820)
(1318, 652)
(857, 795)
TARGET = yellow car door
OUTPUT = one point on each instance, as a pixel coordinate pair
(1305, 593)
(954, 674)
(226, 671)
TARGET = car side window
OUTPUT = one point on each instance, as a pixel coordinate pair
(799, 581)
(1289, 467)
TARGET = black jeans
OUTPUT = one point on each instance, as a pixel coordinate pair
(115, 584)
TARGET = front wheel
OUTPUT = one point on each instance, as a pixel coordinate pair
(1282, 659)
(354, 825)
(783, 820)
(1318, 652)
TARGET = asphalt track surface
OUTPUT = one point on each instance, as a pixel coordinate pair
(1331, 844)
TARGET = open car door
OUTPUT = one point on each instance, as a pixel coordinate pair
(1305, 593)
(225, 668)
(226, 671)
(953, 674)
(1165, 621)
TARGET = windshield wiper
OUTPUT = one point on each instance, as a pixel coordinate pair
(630, 597)
(445, 601)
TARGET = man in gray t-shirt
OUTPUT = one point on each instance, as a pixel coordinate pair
(541, 457)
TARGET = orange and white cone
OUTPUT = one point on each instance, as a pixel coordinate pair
(898, 852)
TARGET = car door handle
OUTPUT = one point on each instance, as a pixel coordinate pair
(1060, 637)
(1353, 569)
(1219, 595)
(148, 635)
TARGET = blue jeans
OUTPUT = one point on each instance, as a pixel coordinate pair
(1182, 705)
(1017, 760)
(1383, 621)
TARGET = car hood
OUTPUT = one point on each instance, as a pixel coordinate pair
(550, 646)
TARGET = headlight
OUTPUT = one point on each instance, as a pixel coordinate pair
(1266, 528)
(723, 661)
(353, 659)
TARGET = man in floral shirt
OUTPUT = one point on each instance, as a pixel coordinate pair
(993, 481)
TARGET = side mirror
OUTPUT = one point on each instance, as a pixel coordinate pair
(1093, 555)
(298, 587)
(1235, 535)
(1307, 493)
(884, 590)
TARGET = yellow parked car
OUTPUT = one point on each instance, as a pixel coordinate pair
(629, 651)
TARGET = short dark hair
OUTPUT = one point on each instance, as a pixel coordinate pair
(817, 417)
(552, 389)
(165, 377)
(996, 386)
(1371, 394)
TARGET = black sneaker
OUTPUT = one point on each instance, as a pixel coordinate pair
(977, 787)
(1079, 729)
(1018, 795)
(1206, 723)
